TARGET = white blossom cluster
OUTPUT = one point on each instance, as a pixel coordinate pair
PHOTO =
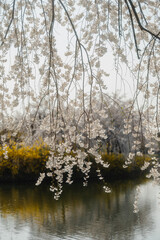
(40, 179)
(5, 151)
(145, 166)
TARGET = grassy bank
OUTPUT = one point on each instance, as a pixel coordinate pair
(24, 163)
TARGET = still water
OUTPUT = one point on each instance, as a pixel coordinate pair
(30, 213)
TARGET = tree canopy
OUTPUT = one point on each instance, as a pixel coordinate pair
(53, 62)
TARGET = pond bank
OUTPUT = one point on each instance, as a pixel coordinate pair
(25, 163)
(109, 176)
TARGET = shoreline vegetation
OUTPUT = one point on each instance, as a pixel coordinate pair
(25, 163)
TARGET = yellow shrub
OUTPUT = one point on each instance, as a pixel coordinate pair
(23, 159)
(115, 160)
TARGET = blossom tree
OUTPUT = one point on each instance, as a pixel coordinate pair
(52, 55)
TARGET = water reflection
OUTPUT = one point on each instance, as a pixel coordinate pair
(29, 212)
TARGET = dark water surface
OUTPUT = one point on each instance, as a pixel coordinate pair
(31, 213)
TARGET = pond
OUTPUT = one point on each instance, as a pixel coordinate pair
(28, 212)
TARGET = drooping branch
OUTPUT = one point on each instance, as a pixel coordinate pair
(10, 23)
(139, 22)
(133, 29)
